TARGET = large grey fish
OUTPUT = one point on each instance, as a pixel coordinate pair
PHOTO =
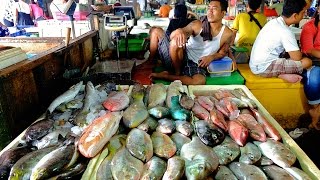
(184, 127)
(159, 112)
(154, 169)
(186, 101)
(52, 162)
(125, 166)
(175, 168)
(150, 124)
(157, 95)
(227, 151)
(117, 101)
(163, 146)
(135, 114)
(166, 126)
(246, 171)
(174, 89)
(139, 144)
(224, 173)
(277, 152)
(23, 167)
(276, 173)
(9, 158)
(210, 135)
(200, 160)
(179, 139)
(66, 96)
(250, 154)
(38, 129)
(297, 173)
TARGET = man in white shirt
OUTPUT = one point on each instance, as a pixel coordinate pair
(275, 39)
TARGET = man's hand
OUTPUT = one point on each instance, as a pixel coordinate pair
(179, 37)
(205, 61)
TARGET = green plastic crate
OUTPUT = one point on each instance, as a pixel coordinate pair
(134, 45)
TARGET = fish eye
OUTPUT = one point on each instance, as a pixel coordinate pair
(214, 137)
(251, 156)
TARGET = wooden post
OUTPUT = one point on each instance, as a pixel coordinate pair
(67, 40)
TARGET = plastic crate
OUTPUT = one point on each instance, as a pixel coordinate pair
(134, 45)
(240, 54)
(222, 67)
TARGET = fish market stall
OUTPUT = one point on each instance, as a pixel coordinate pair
(26, 88)
(154, 132)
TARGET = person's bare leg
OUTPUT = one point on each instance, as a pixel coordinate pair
(156, 34)
(291, 78)
(315, 116)
(176, 54)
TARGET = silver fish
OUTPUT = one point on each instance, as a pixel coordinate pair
(38, 129)
(179, 139)
(224, 173)
(264, 161)
(227, 151)
(297, 173)
(163, 146)
(159, 112)
(50, 139)
(250, 154)
(154, 169)
(139, 144)
(276, 173)
(166, 126)
(184, 127)
(150, 124)
(175, 168)
(247, 172)
(157, 95)
(66, 96)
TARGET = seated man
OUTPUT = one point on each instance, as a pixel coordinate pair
(209, 40)
(275, 39)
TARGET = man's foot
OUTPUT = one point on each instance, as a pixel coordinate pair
(315, 116)
(160, 75)
(291, 78)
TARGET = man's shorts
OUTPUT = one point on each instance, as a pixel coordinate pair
(283, 66)
(190, 68)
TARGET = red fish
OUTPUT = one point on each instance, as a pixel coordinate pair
(205, 102)
(218, 119)
(255, 129)
(200, 112)
(116, 101)
(238, 132)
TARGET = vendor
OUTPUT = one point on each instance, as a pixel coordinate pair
(23, 14)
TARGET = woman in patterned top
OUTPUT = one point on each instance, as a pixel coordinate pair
(8, 17)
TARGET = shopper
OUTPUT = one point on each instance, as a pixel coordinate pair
(23, 14)
(248, 25)
(9, 13)
(37, 11)
(276, 39)
(193, 47)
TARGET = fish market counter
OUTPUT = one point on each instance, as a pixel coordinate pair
(26, 88)
(161, 127)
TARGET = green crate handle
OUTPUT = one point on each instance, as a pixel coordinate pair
(232, 69)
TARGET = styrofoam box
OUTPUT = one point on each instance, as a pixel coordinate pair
(305, 162)
(57, 28)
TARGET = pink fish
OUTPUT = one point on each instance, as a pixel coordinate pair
(116, 101)
(200, 112)
(218, 119)
(205, 102)
(267, 127)
(238, 132)
(255, 129)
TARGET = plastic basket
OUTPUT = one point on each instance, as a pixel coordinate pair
(222, 67)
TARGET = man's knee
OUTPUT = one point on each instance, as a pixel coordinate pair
(199, 79)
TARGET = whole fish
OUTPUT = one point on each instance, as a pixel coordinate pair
(231, 107)
(184, 127)
(116, 101)
(209, 134)
(238, 132)
(98, 133)
(186, 101)
(150, 124)
(138, 92)
(174, 89)
(247, 172)
(139, 144)
(163, 146)
(135, 114)
(224, 173)
(154, 169)
(227, 151)
(242, 96)
(53, 138)
(297, 173)
(177, 111)
(175, 168)
(255, 129)
(222, 93)
(267, 127)
(159, 112)
(9, 158)
(205, 102)
(166, 126)
(38, 129)
(276, 173)
(179, 140)
(200, 112)
(200, 160)
(250, 154)
(52, 162)
(277, 152)
(66, 96)
(23, 167)
(70, 172)
(157, 95)
(218, 119)
(125, 166)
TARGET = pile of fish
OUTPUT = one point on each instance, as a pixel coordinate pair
(150, 132)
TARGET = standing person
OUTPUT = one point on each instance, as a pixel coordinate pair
(248, 25)
(164, 10)
(193, 47)
(23, 14)
(275, 39)
(160, 40)
(9, 13)
(37, 11)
